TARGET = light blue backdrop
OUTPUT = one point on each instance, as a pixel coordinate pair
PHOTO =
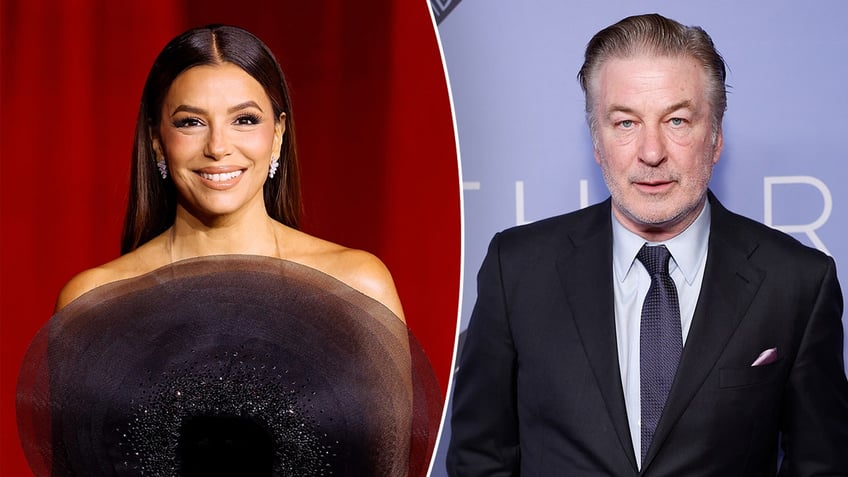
(524, 144)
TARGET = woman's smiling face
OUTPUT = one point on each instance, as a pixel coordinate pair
(218, 135)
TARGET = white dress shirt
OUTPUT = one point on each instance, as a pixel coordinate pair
(631, 282)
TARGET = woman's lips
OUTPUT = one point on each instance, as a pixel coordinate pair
(220, 178)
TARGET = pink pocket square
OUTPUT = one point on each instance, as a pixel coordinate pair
(766, 357)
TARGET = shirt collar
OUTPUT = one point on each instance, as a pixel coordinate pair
(688, 248)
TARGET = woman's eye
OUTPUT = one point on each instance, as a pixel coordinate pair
(187, 122)
(247, 119)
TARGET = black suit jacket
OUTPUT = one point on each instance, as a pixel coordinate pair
(538, 389)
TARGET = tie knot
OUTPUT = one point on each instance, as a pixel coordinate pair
(654, 258)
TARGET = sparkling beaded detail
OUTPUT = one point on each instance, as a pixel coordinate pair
(239, 385)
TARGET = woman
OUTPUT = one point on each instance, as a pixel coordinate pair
(224, 341)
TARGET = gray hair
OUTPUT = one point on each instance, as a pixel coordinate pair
(658, 35)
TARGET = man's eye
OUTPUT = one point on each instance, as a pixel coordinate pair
(677, 121)
(626, 124)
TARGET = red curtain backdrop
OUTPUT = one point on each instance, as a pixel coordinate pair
(374, 129)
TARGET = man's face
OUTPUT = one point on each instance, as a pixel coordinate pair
(654, 141)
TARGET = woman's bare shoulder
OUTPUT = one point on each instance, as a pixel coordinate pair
(358, 269)
(369, 274)
(126, 266)
(82, 283)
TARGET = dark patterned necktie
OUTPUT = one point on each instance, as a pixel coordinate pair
(660, 340)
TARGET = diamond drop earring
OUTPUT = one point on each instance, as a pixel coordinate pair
(163, 167)
(275, 164)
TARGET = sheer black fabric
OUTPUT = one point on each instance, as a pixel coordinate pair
(227, 365)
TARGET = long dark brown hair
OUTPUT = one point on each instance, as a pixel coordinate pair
(153, 201)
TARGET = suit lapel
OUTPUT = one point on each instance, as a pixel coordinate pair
(730, 284)
(586, 274)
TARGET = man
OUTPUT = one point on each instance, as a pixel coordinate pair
(578, 361)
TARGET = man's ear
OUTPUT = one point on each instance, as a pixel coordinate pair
(719, 143)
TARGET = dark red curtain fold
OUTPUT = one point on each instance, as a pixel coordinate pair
(374, 131)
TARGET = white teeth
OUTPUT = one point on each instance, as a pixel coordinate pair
(220, 177)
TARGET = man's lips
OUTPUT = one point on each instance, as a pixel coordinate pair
(653, 186)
